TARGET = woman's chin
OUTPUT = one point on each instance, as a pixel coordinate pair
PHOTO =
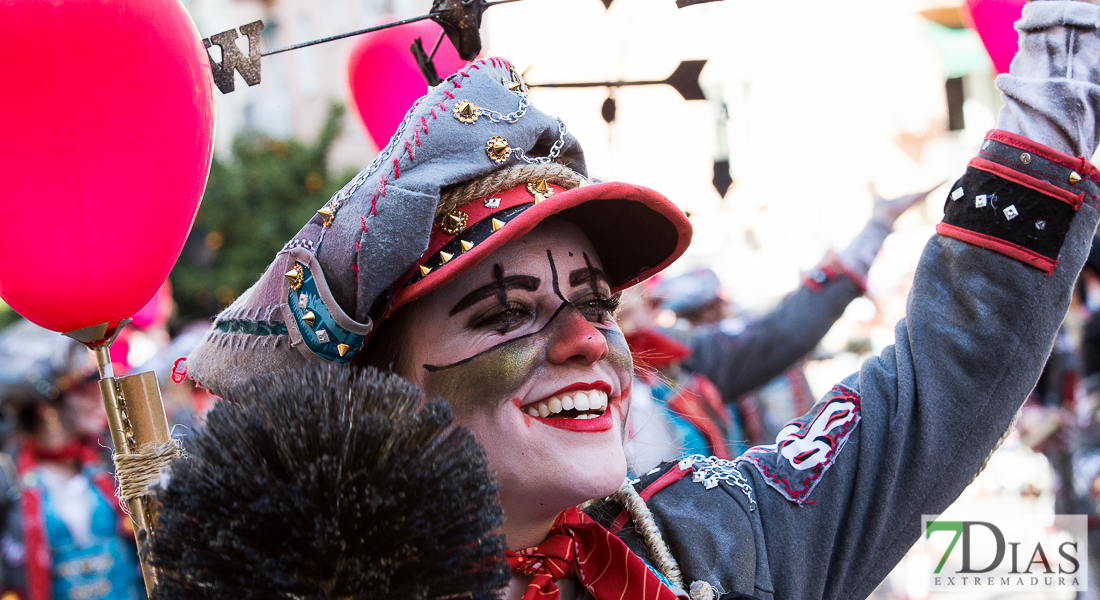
(553, 490)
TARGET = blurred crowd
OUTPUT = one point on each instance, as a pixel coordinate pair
(63, 533)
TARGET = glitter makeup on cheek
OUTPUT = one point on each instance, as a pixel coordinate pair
(618, 352)
(484, 380)
(489, 378)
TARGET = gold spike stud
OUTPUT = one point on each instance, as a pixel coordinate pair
(497, 224)
(454, 222)
(295, 277)
(446, 257)
(498, 150)
(466, 246)
(467, 112)
(309, 317)
(343, 349)
(1074, 178)
(540, 190)
(424, 270)
(327, 214)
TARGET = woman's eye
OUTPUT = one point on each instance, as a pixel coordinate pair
(503, 319)
(599, 308)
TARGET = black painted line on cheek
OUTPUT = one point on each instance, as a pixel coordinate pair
(435, 368)
(554, 274)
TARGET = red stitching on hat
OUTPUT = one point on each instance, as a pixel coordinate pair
(372, 197)
(441, 107)
(448, 94)
(396, 170)
(434, 116)
(475, 66)
(409, 148)
(424, 122)
(357, 241)
(464, 73)
(363, 224)
(179, 375)
(417, 133)
(455, 83)
(382, 191)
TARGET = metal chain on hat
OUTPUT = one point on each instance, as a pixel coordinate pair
(344, 194)
(511, 117)
(555, 150)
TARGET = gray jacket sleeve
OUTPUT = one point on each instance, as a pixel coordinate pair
(837, 501)
(739, 362)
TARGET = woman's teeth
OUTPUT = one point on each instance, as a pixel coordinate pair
(574, 405)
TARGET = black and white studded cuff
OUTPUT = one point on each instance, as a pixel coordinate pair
(1018, 198)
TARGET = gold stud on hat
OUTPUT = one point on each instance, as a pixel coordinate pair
(515, 81)
(454, 222)
(498, 150)
(309, 318)
(540, 190)
(327, 214)
(295, 277)
(467, 112)
(424, 270)
(497, 224)
(1074, 177)
(445, 257)
(466, 246)
(343, 349)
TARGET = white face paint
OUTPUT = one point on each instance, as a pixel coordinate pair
(525, 348)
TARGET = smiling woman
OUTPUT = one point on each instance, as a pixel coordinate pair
(476, 259)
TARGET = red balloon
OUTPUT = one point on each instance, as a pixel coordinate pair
(107, 122)
(994, 19)
(384, 78)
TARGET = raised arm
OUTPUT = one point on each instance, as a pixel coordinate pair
(829, 509)
(902, 437)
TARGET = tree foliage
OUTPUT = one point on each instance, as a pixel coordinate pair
(256, 199)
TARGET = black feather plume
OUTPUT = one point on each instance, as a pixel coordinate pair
(329, 482)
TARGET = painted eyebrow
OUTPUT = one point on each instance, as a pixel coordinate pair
(587, 275)
(523, 282)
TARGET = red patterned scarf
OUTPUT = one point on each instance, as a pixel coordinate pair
(579, 547)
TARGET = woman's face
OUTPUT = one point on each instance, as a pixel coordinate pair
(525, 348)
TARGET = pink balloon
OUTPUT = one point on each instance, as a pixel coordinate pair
(994, 19)
(107, 122)
(156, 311)
(384, 78)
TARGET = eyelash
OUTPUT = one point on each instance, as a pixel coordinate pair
(601, 307)
(499, 318)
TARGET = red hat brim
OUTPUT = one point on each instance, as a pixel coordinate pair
(636, 232)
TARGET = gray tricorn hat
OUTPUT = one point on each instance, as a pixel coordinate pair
(472, 166)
